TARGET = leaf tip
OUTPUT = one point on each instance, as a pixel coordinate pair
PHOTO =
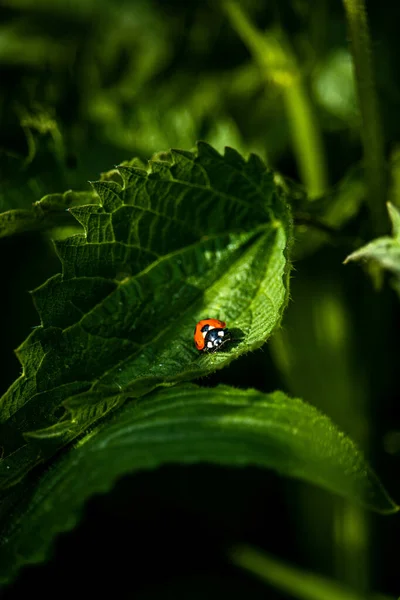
(394, 215)
(206, 150)
(233, 157)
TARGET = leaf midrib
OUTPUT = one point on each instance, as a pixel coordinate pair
(162, 332)
(120, 390)
(165, 258)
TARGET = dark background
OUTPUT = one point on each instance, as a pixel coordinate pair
(85, 85)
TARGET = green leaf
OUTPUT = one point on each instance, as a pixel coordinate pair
(384, 251)
(394, 215)
(49, 212)
(187, 424)
(296, 582)
(197, 235)
(334, 87)
(324, 219)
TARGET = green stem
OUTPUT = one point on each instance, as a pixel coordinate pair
(306, 139)
(371, 129)
(279, 66)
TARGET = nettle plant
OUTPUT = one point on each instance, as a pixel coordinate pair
(111, 380)
(109, 372)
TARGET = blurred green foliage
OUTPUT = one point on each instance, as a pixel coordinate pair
(88, 84)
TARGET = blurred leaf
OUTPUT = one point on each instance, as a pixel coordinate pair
(384, 251)
(77, 71)
(334, 86)
(195, 236)
(321, 221)
(187, 424)
(18, 47)
(298, 583)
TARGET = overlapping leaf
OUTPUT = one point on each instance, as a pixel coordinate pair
(188, 424)
(197, 235)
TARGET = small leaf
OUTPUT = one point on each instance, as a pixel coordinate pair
(45, 214)
(195, 236)
(384, 251)
(187, 424)
(394, 215)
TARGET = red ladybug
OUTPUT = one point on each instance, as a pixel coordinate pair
(210, 335)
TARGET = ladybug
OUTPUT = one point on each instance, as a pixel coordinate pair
(210, 335)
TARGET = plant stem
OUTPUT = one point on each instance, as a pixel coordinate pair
(279, 65)
(371, 129)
